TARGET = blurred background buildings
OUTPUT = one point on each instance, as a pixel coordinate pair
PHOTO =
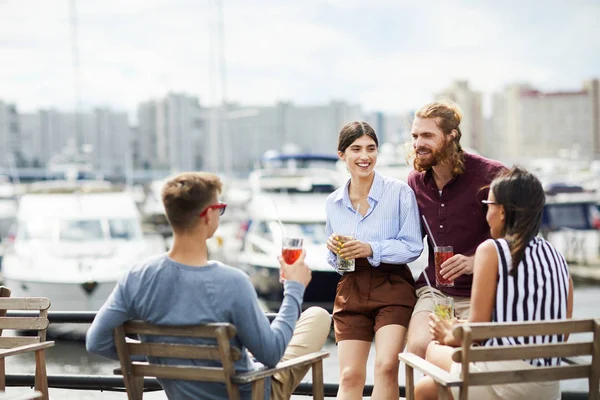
(177, 133)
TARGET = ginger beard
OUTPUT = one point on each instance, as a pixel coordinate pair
(440, 155)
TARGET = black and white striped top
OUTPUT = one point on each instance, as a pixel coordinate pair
(539, 292)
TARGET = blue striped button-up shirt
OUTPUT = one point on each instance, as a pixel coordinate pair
(391, 226)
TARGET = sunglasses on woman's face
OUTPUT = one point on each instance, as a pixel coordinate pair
(486, 203)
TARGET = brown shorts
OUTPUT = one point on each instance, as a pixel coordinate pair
(372, 297)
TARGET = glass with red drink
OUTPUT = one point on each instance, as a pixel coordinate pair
(441, 254)
(290, 252)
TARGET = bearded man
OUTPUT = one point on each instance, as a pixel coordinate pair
(449, 185)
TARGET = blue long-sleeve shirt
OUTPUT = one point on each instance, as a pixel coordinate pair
(164, 292)
(391, 225)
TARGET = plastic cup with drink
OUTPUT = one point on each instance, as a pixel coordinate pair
(344, 264)
(291, 249)
(444, 307)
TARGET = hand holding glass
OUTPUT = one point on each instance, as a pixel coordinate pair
(290, 252)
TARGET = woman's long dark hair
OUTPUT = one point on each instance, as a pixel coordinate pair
(523, 198)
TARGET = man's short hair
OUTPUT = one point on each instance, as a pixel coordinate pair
(186, 195)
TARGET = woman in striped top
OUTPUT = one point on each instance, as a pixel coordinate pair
(378, 297)
(517, 277)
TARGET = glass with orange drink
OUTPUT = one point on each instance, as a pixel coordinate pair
(291, 250)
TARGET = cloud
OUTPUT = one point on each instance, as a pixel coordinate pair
(392, 55)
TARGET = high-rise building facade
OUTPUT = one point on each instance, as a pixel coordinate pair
(171, 134)
(528, 123)
(472, 124)
(104, 133)
(10, 145)
(313, 128)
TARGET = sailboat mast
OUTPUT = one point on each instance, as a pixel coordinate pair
(76, 71)
(225, 134)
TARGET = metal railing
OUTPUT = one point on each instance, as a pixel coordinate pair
(115, 382)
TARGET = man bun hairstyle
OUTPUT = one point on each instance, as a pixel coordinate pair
(447, 116)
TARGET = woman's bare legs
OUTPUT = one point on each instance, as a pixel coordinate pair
(353, 355)
(439, 355)
(389, 342)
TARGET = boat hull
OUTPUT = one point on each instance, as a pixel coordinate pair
(79, 296)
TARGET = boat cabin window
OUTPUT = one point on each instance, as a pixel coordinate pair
(36, 229)
(80, 230)
(312, 232)
(314, 188)
(569, 215)
(122, 229)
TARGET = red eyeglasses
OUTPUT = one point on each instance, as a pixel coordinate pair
(219, 206)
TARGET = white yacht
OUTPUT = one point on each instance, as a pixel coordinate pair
(72, 242)
(291, 188)
(260, 238)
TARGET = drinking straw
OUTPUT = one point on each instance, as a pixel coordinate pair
(358, 216)
(434, 246)
(429, 232)
(278, 219)
(430, 287)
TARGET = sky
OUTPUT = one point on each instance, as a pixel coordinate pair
(387, 55)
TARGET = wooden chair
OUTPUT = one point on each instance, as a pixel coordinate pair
(468, 333)
(134, 371)
(10, 346)
(28, 396)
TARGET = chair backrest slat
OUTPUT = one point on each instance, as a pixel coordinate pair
(16, 345)
(208, 374)
(8, 342)
(228, 367)
(179, 351)
(594, 380)
(134, 391)
(537, 374)
(221, 351)
(488, 330)
(197, 331)
(24, 303)
(524, 352)
(23, 323)
(4, 292)
(481, 331)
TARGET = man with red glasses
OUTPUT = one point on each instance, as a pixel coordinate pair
(193, 290)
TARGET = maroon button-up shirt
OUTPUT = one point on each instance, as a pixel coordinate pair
(456, 217)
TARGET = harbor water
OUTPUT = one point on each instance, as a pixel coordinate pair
(70, 357)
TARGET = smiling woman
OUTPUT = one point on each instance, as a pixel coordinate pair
(376, 298)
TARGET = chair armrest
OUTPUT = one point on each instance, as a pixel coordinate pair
(575, 360)
(438, 374)
(24, 349)
(262, 373)
(20, 396)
